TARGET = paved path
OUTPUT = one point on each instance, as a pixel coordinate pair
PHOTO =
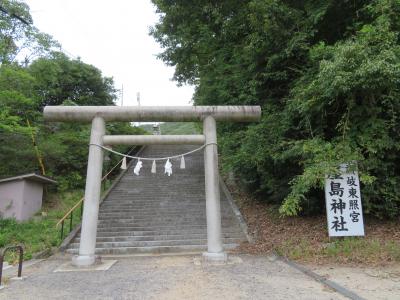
(170, 277)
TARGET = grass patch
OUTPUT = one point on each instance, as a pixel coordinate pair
(175, 128)
(348, 250)
(39, 233)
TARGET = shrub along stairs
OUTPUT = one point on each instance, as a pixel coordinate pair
(155, 213)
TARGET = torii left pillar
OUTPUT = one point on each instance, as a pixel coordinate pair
(87, 245)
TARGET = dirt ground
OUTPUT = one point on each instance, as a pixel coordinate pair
(185, 277)
(378, 283)
(305, 239)
(169, 277)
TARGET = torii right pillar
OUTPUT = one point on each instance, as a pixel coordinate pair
(215, 251)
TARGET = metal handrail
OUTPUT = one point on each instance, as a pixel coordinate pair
(80, 202)
(20, 261)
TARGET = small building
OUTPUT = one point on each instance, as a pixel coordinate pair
(156, 129)
(21, 196)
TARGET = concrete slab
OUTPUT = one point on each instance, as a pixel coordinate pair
(6, 266)
(127, 256)
(18, 278)
(104, 265)
(200, 261)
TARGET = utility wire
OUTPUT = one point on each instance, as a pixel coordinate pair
(12, 15)
(22, 20)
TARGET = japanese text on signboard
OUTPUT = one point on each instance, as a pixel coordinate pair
(343, 204)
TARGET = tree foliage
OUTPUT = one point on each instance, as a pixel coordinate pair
(18, 37)
(59, 78)
(326, 74)
(16, 98)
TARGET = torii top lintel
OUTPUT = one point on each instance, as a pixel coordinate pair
(152, 113)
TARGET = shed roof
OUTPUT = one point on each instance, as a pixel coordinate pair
(31, 176)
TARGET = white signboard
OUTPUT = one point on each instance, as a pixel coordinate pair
(343, 204)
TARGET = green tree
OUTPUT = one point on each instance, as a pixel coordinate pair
(18, 37)
(59, 78)
(16, 98)
(349, 110)
(326, 76)
(17, 104)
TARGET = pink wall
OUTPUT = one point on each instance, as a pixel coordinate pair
(33, 193)
(11, 194)
(20, 199)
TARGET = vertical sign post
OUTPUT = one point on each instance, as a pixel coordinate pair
(343, 204)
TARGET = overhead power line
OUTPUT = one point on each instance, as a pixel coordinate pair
(12, 15)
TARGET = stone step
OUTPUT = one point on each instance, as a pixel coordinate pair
(158, 209)
(171, 217)
(165, 202)
(150, 193)
(160, 223)
(118, 232)
(154, 213)
(158, 188)
(144, 201)
(150, 212)
(134, 234)
(162, 204)
(127, 238)
(153, 250)
(159, 219)
(155, 227)
(160, 243)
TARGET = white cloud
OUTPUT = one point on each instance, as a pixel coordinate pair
(113, 36)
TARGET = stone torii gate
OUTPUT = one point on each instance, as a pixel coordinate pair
(98, 115)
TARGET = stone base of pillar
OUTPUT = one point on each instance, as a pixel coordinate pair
(85, 260)
(211, 257)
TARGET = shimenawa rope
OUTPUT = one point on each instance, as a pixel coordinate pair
(153, 158)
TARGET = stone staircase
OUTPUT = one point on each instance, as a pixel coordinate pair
(154, 213)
